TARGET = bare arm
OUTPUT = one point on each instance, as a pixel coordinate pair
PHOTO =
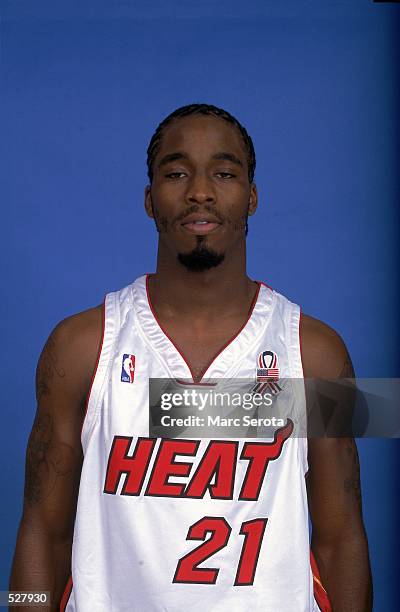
(54, 458)
(339, 541)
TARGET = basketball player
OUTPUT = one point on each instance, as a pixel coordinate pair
(188, 524)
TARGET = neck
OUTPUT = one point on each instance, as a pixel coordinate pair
(221, 291)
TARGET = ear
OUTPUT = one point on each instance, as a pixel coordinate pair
(253, 200)
(148, 202)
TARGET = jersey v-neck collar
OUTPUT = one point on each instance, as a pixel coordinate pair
(226, 358)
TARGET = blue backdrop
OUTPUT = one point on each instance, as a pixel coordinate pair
(84, 84)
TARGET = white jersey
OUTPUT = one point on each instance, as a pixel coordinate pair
(174, 524)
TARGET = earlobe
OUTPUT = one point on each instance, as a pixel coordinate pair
(253, 200)
(252, 207)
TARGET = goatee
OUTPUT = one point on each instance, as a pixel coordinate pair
(201, 258)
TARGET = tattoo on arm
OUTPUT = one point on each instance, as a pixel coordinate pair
(352, 482)
(45, 462)
(48, 367)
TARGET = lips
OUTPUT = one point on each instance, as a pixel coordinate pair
(200, 224)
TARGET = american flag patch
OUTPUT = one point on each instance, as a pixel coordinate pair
(267, 374)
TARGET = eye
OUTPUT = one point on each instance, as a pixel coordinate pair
(175, 175)
(226, 175)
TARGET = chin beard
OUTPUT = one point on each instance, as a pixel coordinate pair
(200, 259)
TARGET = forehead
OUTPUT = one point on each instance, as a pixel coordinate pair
(202, 134)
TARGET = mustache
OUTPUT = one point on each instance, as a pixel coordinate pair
(196, 208)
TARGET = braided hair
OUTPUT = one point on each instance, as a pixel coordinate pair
(200, 109)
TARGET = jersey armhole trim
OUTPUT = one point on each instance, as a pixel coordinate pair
(103, 317)
(296, 364)
(99, 374)
(297, 372)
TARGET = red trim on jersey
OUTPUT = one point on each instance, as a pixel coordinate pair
(66, 594)
(103, 313)
(194, 384)
(253, 303)
(265, 285)
(320, 594)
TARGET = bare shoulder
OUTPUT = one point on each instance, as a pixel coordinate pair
(81, 331)
(70, 353)
(324, 354)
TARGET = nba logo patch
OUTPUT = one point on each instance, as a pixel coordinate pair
(128, 368)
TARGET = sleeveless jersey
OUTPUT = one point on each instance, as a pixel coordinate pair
(167, 525)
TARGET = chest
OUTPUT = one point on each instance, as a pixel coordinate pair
(200, 345)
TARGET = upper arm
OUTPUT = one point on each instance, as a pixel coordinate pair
(333, 478)
(54, 454)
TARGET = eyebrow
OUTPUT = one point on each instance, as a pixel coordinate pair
(171, 157)
(228, 157)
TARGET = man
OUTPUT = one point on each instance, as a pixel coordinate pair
(144, 503)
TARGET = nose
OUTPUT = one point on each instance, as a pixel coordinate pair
(200, 190)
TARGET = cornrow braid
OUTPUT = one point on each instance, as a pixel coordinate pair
(200, 109)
